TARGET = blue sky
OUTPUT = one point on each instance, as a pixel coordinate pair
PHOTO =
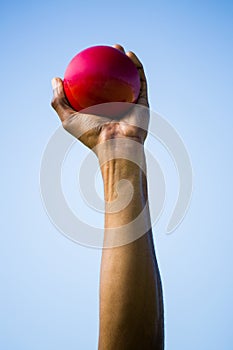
(49, 285)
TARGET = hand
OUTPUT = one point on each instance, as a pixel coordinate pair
(94, 129)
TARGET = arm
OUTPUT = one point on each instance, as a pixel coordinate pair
(131, 306)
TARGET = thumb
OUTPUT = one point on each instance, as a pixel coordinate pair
(59, 101)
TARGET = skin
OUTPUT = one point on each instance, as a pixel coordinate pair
(131, 302)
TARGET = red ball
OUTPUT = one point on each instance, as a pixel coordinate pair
(101, 74)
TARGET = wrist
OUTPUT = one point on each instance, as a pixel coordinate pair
(116, 173)
(123, 169)
(121, 159)
(125, 150)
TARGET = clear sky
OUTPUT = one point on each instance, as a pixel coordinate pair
(49, 285)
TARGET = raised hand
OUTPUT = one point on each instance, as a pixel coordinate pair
(94, 129)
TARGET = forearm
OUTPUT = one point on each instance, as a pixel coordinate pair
(131, 308)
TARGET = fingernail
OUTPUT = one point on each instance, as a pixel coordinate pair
(54, 83)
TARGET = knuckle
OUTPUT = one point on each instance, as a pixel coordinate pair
(130, 53)
(55, 102)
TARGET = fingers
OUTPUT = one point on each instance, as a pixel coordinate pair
(137, 63)
(59, 101)
(119, 47)
(143, 96)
